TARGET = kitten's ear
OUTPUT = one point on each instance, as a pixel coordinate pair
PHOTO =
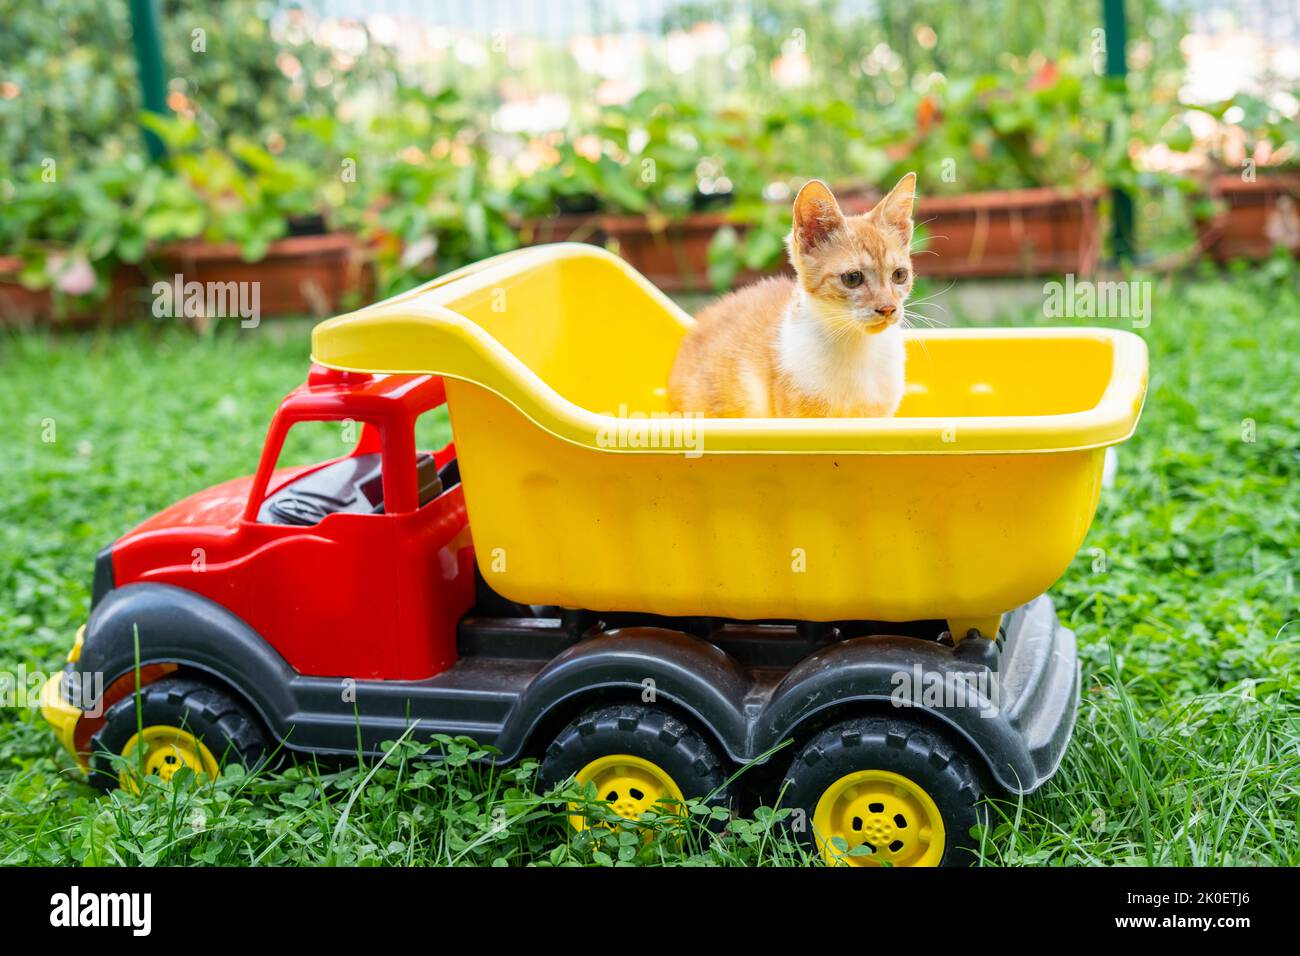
(896, 208)
(816, 215)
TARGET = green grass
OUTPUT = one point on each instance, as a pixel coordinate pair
(1187, 749)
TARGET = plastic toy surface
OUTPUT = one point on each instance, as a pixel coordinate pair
(969, 503)
(805, 582)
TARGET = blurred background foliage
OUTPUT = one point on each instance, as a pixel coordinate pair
(437, 141)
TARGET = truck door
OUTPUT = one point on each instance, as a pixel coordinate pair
(322, 572)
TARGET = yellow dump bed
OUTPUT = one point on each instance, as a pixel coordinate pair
(583, 491)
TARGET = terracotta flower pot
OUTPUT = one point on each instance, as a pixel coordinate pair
(298, 275)
(1258, 216)
(20, 306)
(1022, 232)
(1025, 232)
(676, 257)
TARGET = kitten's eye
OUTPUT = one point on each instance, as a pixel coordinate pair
(900, 276)
(852, 279)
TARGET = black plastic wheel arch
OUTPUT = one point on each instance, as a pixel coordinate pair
(862, 675)
(653, 665)
(513, 704)
(175, 625)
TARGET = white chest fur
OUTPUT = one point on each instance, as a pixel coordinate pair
(850, 375)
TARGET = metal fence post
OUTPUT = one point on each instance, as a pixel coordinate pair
(148, 57)
(1123, 241)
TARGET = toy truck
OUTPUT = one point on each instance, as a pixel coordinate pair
(643, 600)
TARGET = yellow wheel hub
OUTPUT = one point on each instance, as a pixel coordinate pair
(630, 785)
(894, 817)
(161, 751)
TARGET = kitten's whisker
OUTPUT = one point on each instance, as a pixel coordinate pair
(925, 349)
(923, 315)
(924, 322)
(933, 294)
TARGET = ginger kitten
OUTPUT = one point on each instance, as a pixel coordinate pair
(827, 344)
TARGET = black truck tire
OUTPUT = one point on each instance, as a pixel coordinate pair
(890, 784)
(209, 729)
(646, 735)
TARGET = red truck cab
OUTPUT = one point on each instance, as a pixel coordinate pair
(359, 566)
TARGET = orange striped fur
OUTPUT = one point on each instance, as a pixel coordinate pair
(826, 344)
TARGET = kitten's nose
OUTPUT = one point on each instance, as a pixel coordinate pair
(885, 310)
